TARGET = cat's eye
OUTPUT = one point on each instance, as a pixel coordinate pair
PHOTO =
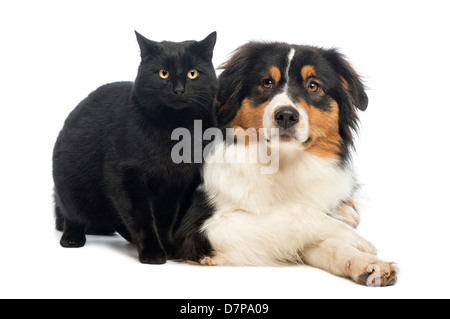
(164, 74)
(192, 74)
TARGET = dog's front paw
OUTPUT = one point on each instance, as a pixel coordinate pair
(348, 214)
(379, 274)
(208, 261)
(359, 242)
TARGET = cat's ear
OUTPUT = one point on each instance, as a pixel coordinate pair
(206, 46)
(148, 47)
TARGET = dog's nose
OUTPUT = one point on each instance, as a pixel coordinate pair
(287, 117)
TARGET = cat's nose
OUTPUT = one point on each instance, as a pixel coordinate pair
(179, 89)
(179, 92)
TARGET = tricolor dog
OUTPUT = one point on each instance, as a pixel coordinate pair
(301, 103)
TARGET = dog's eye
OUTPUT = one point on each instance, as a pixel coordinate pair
(164, 74)
(267, 83)
(313, 87)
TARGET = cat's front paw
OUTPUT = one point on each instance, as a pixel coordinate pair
(153, 256)
(72, 240)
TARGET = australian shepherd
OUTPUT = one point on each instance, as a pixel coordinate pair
(300, 104)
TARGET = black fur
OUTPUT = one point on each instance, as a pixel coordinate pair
(190, 243)
(112, 163)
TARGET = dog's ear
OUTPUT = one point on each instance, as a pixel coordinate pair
(351, 96)
(355, 94)
(231, 84)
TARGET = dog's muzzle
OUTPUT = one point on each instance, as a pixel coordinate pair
(286, 117)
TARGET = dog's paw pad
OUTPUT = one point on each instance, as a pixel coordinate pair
(379, 274)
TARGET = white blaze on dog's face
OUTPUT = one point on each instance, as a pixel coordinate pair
(283, 114)
(307, 94)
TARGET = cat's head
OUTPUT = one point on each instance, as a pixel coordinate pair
(176, 75)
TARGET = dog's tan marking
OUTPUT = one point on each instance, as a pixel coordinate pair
(308, 71)
(345, 83)
(275, 74)
(325, 140)
(249, 116)
(350, 203)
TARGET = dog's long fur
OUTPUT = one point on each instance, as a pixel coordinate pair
(304, 212)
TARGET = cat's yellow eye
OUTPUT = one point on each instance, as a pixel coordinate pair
(192, 74)
(164, 74)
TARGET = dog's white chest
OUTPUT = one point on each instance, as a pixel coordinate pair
(303, 180)
(273, 212)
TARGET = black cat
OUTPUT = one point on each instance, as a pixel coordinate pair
(112, 164)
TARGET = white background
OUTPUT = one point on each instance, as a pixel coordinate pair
(53, 53)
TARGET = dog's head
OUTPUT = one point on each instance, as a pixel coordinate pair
(309, 94)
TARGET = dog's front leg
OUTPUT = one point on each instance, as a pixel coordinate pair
(345, 259)
(347, 213)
